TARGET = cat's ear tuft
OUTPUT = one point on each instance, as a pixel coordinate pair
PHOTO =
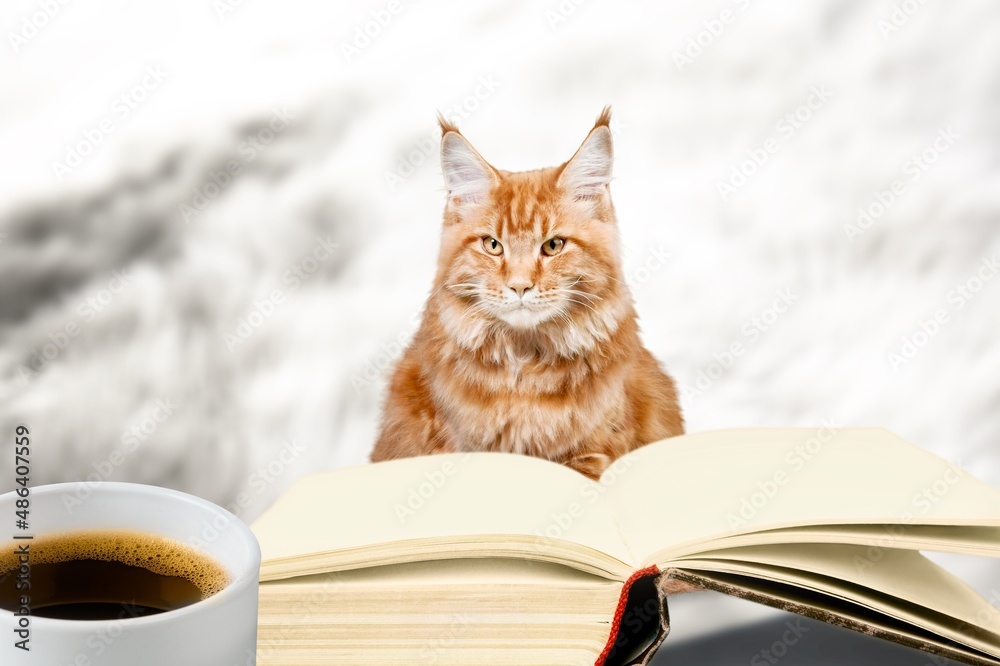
(588, 172)
(467, 176)
(446, 125)
(605, 117)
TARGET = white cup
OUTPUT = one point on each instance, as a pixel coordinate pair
(218, 631)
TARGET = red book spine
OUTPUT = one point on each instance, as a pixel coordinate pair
(620, 611)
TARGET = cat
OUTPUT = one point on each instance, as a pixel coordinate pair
(529, 342)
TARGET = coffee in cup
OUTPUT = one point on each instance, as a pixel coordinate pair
(103, 574)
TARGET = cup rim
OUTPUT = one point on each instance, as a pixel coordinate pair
(238, 585)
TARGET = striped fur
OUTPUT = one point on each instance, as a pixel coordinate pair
(559, 372)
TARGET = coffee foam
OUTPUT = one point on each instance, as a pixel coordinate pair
(152, 552)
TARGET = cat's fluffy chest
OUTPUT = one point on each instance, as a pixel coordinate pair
(525, 404)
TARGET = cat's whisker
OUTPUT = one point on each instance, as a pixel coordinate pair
(564, 316)
(608, 276)
(476, 308)
(589, 307)
(576, 292)
(466, 292)
(579, 280)
(464, 288)
(571, 293)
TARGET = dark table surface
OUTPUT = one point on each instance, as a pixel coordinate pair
(757, 636)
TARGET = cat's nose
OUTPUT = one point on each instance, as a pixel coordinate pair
(520, 287)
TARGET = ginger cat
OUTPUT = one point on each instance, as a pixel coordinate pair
(529, 342)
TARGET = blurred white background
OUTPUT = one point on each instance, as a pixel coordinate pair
(219, 218)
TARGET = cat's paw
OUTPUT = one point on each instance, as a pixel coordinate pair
(590, 464)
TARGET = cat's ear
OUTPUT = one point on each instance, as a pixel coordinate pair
(587, 174)
(467, 176)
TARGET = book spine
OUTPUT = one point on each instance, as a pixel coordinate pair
(640, 623)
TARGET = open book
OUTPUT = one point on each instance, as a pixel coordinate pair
(502, 559)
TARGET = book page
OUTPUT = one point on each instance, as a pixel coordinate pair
(673, 495)
(902, 584)
(451, 499)
(473, 573)
(903, 575)
(964, 539)
(834, 610)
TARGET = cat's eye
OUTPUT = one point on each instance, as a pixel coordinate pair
(493, 246)
(553, 246)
